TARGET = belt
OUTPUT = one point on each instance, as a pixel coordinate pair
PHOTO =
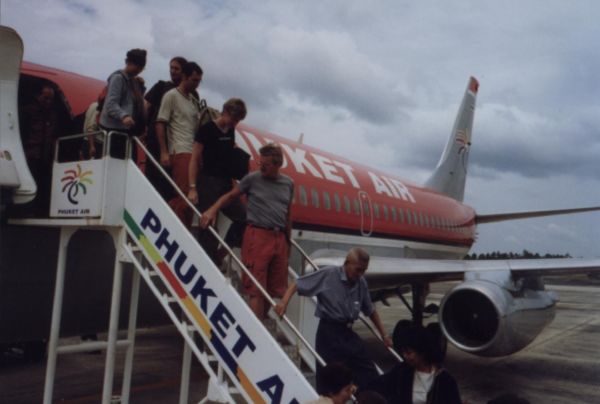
(345, 324)
(274, 228)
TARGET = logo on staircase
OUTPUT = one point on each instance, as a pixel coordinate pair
(74, 182)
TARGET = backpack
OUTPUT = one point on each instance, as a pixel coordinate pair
(207, 113)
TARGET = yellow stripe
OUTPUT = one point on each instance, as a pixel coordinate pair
(149, 247)
(197, 314)
(249, 387)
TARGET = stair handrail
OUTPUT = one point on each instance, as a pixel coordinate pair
(230, 252)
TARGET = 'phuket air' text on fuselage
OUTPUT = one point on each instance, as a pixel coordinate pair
(321, 167)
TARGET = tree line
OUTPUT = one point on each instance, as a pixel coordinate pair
(525, 254)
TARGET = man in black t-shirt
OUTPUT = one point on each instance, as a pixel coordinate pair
(210, 174)
(153, 99)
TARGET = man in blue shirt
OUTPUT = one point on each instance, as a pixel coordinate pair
(342, 293)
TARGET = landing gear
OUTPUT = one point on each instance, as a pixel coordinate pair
(419, 294)
(419, 311)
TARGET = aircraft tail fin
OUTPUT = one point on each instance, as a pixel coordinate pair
(450, 174)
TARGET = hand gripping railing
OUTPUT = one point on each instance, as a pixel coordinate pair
(270, 300)
(362, 317)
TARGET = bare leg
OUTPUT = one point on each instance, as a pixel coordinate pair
(257, 304)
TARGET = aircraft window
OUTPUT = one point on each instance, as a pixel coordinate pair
(426, 220)
(401, 214)
(386, 215)
(366, 208)
(338, 204)
(315, 197)
(376, 210)
(347, 205)
(356, 207)
(415, 221)
(326, 200)
(408, 216)
(394, 215)
(303, 197)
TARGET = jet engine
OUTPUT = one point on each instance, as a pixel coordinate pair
(493, 315)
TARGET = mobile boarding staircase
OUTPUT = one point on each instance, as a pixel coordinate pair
(244, 361)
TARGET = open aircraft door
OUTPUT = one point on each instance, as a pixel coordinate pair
(366, 214)
(14, 171)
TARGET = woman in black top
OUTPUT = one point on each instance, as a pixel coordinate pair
(420, 379)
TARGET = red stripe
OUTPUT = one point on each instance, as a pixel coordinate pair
(164, 268)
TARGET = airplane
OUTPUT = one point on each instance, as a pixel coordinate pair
(416, 234)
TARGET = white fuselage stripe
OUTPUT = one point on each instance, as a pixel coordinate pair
(373, 241)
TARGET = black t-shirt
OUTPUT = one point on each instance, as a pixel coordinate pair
(154, 97)
(217, 150)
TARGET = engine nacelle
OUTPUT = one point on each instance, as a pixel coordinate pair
(496, 317)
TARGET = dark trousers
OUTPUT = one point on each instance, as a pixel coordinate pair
(210, 189)
(336, 342)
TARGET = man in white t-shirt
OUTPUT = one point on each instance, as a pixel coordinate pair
(178, 116)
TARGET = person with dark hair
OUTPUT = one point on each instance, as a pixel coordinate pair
(211, 176)
(265, 248)
(153, 99)
(342, 294)
(420, 379)
(335, 384)
(123, 108)
(178, 120)
(38, 125)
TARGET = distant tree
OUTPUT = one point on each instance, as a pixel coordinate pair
(526, 254)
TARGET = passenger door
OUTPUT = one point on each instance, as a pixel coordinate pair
(366, 214)
(11, 49)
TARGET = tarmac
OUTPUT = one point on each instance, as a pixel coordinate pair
(561, 366)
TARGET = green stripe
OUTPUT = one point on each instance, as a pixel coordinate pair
(132, 224)
(141, 237)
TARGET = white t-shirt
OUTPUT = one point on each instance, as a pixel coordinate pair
(422, 383)
(182, 116)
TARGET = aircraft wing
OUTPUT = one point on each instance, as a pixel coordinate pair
(500, 217)
(386, 272)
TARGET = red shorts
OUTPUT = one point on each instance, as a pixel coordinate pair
(265, 254)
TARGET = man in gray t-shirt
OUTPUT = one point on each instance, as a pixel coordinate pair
(265, 247)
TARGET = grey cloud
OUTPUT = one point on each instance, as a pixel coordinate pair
(375, 82)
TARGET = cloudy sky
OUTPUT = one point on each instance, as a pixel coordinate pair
(380, 82)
